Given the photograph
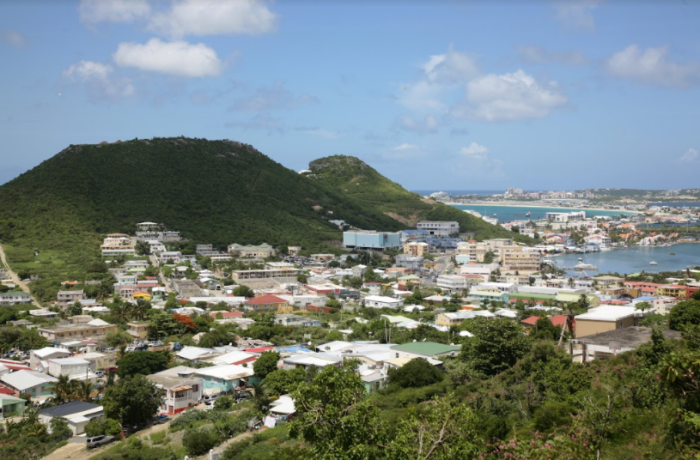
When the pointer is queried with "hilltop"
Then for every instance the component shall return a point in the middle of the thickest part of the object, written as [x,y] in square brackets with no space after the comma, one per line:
[211,191]
[362,185]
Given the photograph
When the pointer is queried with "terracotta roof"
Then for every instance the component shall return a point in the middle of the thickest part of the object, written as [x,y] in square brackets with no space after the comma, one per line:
[265,300]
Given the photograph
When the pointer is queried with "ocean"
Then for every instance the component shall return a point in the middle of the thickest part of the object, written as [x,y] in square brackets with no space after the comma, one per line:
[511,213]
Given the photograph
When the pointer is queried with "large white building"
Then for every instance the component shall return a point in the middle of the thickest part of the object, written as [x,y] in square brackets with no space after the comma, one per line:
[566,216]
[439,228]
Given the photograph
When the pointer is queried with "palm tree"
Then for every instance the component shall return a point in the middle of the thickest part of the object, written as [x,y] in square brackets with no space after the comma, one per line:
[84,390]
[63,389]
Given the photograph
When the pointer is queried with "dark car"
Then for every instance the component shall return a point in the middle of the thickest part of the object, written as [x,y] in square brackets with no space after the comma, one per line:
[161,419]
[240,397]
[97,441]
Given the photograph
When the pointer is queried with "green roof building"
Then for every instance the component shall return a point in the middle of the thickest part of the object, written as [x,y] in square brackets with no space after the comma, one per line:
[425,350]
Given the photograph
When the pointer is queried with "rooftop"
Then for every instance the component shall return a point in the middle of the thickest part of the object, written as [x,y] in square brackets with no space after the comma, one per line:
[426,348]
[74,407]
[628,337]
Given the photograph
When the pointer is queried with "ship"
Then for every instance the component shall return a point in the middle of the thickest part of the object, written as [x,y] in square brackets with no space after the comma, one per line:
[528,214]
[653,263]
[671,253]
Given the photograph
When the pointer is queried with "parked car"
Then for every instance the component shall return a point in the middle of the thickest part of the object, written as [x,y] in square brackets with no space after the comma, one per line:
[254,424]
[240,397]
[99,373]
[97,441]
[161,419]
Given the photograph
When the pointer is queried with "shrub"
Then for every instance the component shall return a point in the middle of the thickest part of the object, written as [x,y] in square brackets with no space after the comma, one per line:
[107,426]
[198,442]
[224,403]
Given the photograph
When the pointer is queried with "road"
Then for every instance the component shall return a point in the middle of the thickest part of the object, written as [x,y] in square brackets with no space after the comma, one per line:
[161,277]
[442,263]
[24,286]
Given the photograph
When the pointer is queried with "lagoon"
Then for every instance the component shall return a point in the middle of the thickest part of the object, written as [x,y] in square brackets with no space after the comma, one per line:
[636,259]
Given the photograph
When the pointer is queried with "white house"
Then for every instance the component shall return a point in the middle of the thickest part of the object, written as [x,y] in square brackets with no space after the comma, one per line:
[376,301]
[181,389]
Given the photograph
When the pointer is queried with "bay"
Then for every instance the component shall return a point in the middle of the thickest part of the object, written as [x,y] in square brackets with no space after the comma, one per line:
[511,213]
[636,259]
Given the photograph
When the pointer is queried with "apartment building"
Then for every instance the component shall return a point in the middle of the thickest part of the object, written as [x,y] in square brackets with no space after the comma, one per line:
[439,228]
[117,244]
[262,251]
[416,249]
[367,239]
[521,258]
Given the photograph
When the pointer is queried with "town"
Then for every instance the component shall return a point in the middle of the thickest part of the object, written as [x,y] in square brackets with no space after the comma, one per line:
[194,328]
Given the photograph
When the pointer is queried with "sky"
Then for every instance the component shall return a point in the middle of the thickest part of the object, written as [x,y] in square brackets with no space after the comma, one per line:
[443,95]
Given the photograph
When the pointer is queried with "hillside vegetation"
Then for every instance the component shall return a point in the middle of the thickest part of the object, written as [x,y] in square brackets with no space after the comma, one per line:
[52,218]
[361,184]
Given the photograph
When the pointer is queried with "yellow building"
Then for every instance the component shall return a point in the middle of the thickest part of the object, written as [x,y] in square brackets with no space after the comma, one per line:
[416,249]
[521,258]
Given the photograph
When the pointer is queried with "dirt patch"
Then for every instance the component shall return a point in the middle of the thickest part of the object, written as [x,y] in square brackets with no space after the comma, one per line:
[411,221]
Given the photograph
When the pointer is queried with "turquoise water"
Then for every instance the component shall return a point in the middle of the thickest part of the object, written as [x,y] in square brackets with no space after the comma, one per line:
[511,213]
[635,260]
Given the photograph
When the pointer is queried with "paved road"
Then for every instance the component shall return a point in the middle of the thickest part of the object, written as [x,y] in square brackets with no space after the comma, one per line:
[15,278]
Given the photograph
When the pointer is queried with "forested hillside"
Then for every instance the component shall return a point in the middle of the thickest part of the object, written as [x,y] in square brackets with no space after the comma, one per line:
[361,184]
[211,191]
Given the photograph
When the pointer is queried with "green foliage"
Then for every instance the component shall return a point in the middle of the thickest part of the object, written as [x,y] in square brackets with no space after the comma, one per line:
[99,426]
[217,337]
[416,373]
[334,418]
[135,449]
[441,430]
[266,364]
[224,403]
[132,400]
[141,362]
[496,346]
[243,291]
[281,382]
[198,442]
[684,313]
[118,339]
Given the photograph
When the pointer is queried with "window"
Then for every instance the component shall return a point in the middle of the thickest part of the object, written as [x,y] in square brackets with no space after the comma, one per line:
[195,388]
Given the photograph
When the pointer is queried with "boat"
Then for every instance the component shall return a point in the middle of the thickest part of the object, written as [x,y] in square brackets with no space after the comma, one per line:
[653,263]
[528,214]
[671,253]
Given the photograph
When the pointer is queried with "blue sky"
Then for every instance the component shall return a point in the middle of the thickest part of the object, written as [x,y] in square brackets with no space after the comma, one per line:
[435,95]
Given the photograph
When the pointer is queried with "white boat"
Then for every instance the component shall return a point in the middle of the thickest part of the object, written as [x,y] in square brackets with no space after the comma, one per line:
[653,263]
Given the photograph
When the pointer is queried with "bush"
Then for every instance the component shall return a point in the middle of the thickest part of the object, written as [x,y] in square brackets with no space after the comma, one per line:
[224,403]
[416,373]
[187,420]
[106,426]
[198,442]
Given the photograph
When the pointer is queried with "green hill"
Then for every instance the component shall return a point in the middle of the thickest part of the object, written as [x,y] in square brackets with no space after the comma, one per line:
[216,192]
[359,183]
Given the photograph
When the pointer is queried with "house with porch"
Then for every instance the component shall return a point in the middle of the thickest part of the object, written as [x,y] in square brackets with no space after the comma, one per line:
[226,378]
[180,388]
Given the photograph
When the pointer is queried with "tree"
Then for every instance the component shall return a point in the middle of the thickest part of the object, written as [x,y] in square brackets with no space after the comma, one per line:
[684,313]
[416,373]
[64,389]
[281,382]
[497,345]
[243,291]
[75,309]
[105,426]
[132,401]
[141,362]
[583,302]
[642,306]
[142,248]
[333,416]
[266,364]
[440,430]
[118,339]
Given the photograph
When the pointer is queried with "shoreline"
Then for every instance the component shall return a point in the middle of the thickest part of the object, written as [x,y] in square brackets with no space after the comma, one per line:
[505,205]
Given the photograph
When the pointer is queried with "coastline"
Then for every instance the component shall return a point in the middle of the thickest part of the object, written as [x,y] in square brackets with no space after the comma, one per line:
[547,205]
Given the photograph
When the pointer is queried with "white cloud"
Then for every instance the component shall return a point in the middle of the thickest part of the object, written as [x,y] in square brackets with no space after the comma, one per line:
[175,58]
[651,66]
[215,17]
[577,14]
[538,55]
[450,68]
[475,151]
[689,156]
[271,98]
[13,39]
[511,96]
[98,79]
[118,11]
[441,73]
[429,124]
